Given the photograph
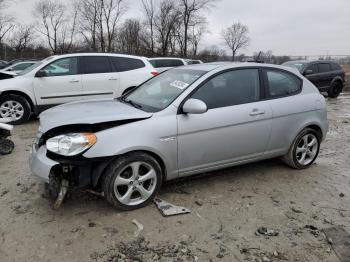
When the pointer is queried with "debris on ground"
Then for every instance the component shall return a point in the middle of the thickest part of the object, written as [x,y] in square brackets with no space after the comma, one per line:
[296,210]
[339,239]
[167,209]
[4,192]
[142,250]
[341,195]
[267,232]
[313,230]
[139,227]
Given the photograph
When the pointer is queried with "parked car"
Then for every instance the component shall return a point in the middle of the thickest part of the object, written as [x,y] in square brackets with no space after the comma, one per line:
[15,61]
[17,67]
[165,63]
[183,122]
[193,62]
[3,64]
[327,76]
[67,78]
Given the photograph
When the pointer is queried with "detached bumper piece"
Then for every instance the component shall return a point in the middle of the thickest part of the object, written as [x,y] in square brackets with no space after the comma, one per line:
[62,173]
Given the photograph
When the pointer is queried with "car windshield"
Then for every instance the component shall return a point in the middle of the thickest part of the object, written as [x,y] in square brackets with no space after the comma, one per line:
[298,65]
[159,92]
[32,67]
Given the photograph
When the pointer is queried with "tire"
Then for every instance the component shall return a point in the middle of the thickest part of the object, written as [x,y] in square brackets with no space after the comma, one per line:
[124,182]
[335,89]
[15,105]
[6,146]
[299,150]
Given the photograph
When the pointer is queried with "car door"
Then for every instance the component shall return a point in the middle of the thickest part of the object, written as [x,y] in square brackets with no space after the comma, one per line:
[311,73]
[99,80]
[235,128]
[62,85]
[325,75]
[288,108]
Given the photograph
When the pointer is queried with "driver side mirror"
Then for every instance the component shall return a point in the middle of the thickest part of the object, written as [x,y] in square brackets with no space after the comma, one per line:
[41,73]
[308,72]
[194,106]
[10,69]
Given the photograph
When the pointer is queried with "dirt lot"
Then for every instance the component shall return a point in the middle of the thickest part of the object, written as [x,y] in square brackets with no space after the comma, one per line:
[227,209]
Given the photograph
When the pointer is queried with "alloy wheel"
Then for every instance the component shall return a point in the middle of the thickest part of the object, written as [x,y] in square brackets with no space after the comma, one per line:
[135,183]
[11,109]
[307,149]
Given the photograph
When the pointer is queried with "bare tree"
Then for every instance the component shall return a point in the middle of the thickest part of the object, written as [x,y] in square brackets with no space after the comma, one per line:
[112,11]
[189,10]
[130,37]
[236,37]
[199,28]
[88,22]
[21,38]
[55,25]
[6,22]
[167,19]
[150,13]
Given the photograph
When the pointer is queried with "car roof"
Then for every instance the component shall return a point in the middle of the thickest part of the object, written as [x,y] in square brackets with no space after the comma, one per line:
[166,58]
[101,54]
[311,61]
[230,65]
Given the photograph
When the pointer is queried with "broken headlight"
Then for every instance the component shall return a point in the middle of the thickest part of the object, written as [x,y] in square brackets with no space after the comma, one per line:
[71,144]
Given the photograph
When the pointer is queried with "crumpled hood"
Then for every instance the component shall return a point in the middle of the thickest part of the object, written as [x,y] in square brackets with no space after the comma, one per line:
[89,112]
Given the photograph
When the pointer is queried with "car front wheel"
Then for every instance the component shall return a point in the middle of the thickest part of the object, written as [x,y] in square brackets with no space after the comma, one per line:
[304,150]
[14,107]
[132,181]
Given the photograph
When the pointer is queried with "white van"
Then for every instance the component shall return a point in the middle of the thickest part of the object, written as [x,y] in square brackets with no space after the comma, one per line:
[67,78]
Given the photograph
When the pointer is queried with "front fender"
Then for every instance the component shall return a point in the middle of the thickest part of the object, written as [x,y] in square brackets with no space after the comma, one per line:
[156,135]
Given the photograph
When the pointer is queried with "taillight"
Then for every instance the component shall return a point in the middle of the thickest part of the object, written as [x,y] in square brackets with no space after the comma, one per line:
[154,73]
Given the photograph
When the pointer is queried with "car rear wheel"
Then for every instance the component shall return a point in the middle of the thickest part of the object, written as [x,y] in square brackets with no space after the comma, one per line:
[335,89]
[304,150]
[132,181]
[14,107]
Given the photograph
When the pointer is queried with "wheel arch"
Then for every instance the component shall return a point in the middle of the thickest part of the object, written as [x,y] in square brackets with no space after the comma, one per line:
[99,171]
[20,93]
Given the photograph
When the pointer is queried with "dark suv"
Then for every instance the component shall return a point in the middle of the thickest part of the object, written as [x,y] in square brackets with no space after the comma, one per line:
[327,76]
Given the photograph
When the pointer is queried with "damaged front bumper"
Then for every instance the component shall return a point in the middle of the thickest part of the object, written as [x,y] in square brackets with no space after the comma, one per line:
[40,164]
[81,172]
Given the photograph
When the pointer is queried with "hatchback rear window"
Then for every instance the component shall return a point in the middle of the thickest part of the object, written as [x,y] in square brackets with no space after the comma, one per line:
[158,63]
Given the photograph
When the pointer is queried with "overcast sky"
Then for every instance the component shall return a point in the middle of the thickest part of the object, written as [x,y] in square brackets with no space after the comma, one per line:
[291,27]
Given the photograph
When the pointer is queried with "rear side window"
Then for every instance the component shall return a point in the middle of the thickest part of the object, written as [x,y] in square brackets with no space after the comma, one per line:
[313,68]
[158,63]
[94,64]
[230,88]
[122,64]
[335,66]
[324,67]
[282,83]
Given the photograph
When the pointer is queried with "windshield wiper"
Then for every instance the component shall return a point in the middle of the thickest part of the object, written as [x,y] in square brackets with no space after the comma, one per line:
[134,104]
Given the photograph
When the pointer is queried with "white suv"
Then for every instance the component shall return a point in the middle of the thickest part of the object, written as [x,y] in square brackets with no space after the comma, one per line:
[67,78]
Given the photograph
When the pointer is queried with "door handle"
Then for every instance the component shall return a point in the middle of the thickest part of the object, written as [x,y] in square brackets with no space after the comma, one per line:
[74,81]
[257,112]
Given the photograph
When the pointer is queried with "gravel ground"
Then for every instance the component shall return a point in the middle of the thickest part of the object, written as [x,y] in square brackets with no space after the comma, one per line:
[228,207]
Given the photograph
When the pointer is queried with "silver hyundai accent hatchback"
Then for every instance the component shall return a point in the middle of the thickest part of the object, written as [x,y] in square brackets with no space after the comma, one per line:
[185,121]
